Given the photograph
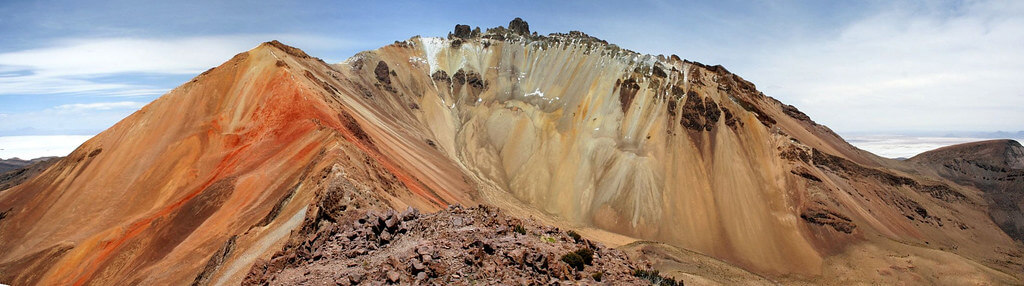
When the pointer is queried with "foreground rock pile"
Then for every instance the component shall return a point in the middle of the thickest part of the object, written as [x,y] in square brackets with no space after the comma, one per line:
[455,246]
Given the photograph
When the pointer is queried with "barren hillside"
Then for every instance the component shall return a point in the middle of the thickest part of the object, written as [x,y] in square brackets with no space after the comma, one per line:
[253,157]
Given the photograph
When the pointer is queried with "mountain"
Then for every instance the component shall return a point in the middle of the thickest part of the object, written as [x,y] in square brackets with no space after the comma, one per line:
[996,167]
[256,166]
[14,171]
[235,155]
[17,163]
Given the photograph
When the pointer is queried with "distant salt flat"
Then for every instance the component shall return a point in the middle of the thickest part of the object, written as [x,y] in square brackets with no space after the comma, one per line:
[896,146]
[29,147]
[889,146]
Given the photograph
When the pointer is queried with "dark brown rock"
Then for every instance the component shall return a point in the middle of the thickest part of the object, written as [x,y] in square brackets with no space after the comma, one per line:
[463,32]
[795,113]
[822,216]
[474,80]
[794,153]
[627,91]
[658,72]
[441,75]
[519,26]
[711,113]
[692,115]
[459,78]
[382,73]
[730,119]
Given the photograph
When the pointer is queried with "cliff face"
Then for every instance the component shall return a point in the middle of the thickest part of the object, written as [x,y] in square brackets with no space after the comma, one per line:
[563,128]
[607,138]
[570,128]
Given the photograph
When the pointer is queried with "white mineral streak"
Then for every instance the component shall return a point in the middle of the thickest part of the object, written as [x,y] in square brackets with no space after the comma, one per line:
[431,47]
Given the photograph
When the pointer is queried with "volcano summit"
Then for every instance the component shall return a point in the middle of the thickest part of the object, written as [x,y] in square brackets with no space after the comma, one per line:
[271,162]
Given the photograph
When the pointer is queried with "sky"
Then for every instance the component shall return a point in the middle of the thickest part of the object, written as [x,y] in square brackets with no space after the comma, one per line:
[77,67]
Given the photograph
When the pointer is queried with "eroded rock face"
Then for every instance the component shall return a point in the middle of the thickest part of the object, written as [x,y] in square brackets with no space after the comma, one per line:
[699,114]
[595,140]
[823,216]
[627,91]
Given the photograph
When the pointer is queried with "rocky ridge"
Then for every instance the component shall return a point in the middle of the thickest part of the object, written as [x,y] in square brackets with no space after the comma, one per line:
[996,167]
[455,246]
[18,163]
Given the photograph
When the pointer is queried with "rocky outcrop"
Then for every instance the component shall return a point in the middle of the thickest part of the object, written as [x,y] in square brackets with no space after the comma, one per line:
[823,216]
[456,246]
[519,26]
[627,91]
[699,114]
[382,73]
[462,31]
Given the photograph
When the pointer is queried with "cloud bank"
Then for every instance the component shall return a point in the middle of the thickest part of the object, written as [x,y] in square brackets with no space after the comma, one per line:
[80,66]
[75,118]
[907,68]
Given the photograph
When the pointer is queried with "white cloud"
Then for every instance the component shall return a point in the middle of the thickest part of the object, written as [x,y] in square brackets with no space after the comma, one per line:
[73,65]
[892,67]
[109,56]
[78,107]
[73,118]
[39,84]
[87,69]
[908,69]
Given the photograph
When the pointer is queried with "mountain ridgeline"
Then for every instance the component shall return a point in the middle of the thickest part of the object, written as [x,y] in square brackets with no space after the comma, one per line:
[996,167]
[252,167]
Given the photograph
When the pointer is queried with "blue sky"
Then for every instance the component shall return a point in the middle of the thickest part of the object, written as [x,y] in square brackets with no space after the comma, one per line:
[77,67]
